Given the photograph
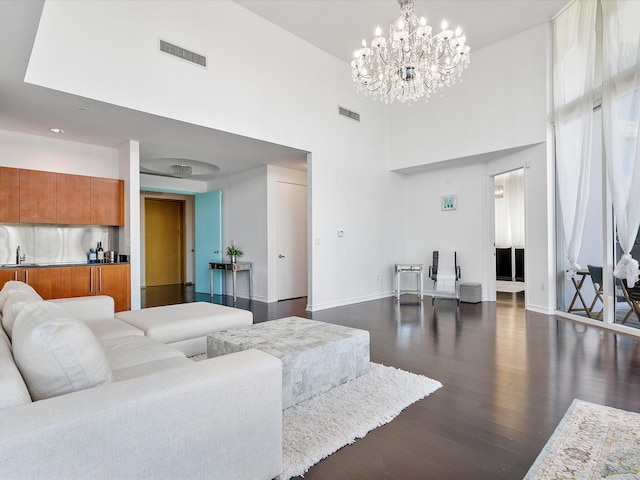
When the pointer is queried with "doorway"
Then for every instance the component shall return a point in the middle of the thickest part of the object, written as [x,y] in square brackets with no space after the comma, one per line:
[292,240]
[509,239]
[164,242]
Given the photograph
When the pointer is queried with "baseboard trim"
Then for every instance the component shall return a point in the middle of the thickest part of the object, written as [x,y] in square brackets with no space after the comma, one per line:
[349,301]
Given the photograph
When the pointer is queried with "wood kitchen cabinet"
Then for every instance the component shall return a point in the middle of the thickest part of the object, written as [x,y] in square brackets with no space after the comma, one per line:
[115,281]
[34,196]
[8,275]
[73,199]
[107,201]
[37,196]
[9,195]
[45,281]
[105,279]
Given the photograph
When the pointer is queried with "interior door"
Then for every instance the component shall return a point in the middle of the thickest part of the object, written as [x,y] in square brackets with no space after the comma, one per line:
[208,239]
[164,242]
[292,240]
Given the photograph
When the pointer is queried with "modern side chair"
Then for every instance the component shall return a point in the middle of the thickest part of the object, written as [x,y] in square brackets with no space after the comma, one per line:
[445,273]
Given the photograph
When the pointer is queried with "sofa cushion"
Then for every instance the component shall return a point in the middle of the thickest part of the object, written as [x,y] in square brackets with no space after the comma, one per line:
[14,391]
[106,328]
[149,367]
[125,352]
[13,303]
[13,286]
[173,323]
[56,353]
[87,307]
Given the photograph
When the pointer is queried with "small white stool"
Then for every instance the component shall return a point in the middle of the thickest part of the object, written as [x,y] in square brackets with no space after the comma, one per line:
[470,292]
[413,268]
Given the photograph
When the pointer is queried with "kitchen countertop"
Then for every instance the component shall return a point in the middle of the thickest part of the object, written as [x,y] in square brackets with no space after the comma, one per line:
[11,266]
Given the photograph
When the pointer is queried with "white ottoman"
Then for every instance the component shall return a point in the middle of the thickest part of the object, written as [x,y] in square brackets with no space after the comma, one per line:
[316,356]
[185,326]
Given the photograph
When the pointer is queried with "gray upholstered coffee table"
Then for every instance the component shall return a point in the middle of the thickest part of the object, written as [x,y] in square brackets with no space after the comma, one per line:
[316,356]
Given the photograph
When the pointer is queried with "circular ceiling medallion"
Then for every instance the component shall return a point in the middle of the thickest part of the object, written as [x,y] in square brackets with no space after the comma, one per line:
[169,167]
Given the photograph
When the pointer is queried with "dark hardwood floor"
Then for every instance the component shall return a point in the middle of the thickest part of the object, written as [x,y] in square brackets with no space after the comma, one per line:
[508,377]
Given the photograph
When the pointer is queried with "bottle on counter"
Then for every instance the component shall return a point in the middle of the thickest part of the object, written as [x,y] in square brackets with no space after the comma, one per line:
[92,256]
[100,253]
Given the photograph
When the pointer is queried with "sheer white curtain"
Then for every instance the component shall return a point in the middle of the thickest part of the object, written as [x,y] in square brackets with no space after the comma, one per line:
[621,115]
[510,210]
[573,78]
[514,192]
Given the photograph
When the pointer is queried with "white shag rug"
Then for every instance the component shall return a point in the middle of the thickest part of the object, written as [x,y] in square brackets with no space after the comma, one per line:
[316,428]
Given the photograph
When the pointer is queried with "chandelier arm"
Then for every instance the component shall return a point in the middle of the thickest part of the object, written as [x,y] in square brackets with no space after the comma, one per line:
[384,60]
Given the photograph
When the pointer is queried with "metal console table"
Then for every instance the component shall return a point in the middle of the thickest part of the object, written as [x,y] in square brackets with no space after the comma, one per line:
[414,268]
[233,268]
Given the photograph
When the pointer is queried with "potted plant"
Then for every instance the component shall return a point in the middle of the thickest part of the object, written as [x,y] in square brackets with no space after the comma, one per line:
[233,252]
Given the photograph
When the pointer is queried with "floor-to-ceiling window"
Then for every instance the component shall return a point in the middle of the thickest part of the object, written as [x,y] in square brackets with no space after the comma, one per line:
[596,113]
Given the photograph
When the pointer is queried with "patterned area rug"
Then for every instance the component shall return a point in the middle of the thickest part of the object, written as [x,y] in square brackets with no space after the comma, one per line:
[591,442]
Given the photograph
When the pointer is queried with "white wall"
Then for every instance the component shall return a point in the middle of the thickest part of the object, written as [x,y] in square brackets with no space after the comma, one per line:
[244,221]
[500,104]
[174,185]
[430,228]
[129,171]
[20,150]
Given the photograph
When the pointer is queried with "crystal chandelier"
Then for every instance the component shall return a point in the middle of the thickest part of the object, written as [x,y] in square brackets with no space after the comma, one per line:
[413,62]
[181,171]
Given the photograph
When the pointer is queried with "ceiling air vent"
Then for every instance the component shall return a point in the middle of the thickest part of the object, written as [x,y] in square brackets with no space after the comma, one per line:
[349,114]
[183,53]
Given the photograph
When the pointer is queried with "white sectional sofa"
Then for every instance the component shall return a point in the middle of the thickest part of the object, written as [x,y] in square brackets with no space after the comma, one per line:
[85,395]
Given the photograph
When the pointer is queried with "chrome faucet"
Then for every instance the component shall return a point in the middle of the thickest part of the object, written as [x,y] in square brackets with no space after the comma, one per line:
[20,258]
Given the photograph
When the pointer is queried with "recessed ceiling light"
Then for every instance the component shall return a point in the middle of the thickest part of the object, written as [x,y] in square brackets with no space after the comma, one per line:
[56,130]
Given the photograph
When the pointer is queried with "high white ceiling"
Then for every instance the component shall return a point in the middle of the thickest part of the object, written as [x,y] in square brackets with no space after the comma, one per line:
[336,26]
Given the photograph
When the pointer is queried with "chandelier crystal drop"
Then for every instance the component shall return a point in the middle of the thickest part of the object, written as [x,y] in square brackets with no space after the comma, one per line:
[181,171]
[413,62]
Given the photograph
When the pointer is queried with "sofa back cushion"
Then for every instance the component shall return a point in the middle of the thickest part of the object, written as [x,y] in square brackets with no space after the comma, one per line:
[13,390]
[14,300]
[56,353]
[13,286]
